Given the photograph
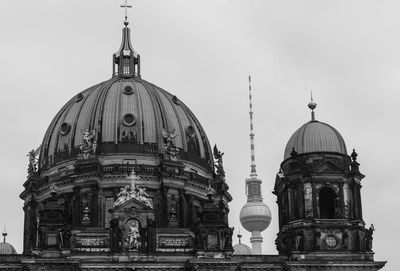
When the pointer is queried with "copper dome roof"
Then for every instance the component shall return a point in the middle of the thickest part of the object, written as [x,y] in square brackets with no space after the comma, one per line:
[129,116]
[7,249]
[315,136]
[241,249]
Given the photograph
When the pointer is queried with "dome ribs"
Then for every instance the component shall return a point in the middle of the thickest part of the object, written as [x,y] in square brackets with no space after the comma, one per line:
[53,144]
[193,123]
[104,107]
[148,118]
[173,117]
[203,140]
[82,122]
[159,112]
[109,114]
[97,112]
[64,141]
[315,136]
[44,151]
[128,105]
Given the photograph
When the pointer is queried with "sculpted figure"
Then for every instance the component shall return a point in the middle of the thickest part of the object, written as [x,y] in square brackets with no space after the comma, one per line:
[142,195]
[369,237]
[228,237]
[122,196]
[88,144]
[33,160]
[219,163]
[133,236]
[132,191]
[169,143]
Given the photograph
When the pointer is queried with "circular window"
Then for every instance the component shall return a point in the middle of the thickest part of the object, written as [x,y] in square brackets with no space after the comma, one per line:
[79,97]
[175,99]
[190,131]
[129,119]
[65,127]
[128,90]
[331,241]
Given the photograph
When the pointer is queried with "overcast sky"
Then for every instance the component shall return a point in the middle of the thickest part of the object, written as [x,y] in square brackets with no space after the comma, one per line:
[346,52]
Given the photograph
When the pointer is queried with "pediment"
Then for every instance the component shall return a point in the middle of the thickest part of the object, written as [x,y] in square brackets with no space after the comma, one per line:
[132,204]
[329,167]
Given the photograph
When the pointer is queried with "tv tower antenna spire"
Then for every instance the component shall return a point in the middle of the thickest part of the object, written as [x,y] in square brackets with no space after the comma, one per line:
[253,172]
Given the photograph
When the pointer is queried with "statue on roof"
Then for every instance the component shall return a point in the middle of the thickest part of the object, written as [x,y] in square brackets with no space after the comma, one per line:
[369,237]
[132,191]
[219,163]
[169,143]
[33,160]
[88,144]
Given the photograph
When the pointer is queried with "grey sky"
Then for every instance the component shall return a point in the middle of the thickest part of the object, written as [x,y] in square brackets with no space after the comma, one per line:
[346,52]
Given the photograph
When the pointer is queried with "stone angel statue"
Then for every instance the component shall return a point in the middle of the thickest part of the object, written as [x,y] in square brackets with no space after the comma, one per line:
[169,142]
[219,163]
[88,144]
[33,160]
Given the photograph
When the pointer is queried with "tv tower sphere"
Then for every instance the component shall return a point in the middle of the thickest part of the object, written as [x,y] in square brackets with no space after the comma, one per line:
[255,216]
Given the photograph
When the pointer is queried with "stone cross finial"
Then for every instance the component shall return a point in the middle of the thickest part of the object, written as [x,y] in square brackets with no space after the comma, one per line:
[126,6]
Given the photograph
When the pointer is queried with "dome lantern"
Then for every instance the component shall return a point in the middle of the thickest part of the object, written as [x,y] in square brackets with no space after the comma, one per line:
[126,62]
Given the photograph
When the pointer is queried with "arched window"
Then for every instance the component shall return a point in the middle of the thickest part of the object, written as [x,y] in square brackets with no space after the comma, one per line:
[327,202]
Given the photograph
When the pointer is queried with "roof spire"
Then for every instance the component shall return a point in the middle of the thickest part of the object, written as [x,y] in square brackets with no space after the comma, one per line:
[240,237]
[126,6]
[126,62]
[252,146]
[4,234]
[312,105]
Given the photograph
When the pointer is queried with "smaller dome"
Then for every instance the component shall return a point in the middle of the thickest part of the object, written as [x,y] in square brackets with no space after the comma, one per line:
[7,249]
[241,249]
[255,216]
[315,136]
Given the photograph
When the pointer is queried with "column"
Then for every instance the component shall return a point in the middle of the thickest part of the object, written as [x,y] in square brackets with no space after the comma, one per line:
[290,202]
[314,201]
[358,190]
[101,213]
[341,201]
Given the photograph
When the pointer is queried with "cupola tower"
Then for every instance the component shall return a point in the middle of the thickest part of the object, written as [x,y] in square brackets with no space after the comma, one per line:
[319,200]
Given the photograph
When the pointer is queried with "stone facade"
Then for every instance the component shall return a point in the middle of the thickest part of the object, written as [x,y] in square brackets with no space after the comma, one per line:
[141,191]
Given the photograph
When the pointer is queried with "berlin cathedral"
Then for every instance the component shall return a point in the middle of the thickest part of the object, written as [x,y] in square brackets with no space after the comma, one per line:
[126,179]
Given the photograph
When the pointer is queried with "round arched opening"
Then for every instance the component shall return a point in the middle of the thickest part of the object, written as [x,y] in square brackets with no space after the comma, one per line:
[327,199]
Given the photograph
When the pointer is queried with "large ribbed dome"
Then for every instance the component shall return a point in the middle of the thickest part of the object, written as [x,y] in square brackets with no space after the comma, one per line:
[129,116]
[315,136]
[127,120]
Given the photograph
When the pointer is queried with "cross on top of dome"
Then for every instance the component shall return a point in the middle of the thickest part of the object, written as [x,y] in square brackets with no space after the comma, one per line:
[126,6]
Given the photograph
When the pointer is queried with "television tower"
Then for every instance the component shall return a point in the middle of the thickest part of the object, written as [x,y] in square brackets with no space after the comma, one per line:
[255,215]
